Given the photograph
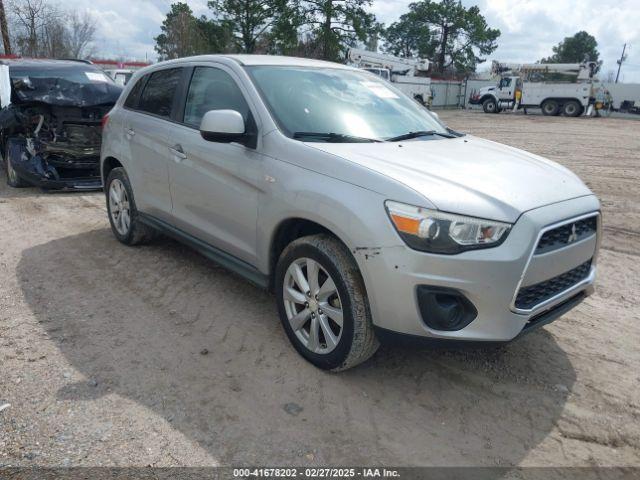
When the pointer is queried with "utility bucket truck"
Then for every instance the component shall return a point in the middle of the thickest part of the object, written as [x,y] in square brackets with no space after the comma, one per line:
[555,88]
[407,74]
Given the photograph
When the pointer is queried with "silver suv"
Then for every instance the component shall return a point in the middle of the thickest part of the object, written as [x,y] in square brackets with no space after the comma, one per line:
[356,206]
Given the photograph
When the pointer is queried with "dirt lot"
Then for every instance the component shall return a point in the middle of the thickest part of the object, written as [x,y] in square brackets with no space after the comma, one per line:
[101,363]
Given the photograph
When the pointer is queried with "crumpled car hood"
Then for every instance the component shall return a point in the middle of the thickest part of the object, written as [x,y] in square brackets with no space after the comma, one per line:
[60,92]
[467,175]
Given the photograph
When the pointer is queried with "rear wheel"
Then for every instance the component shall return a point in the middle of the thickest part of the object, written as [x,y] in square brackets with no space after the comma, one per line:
[571,109]
[550,107]
[121,207]
[323,304]
[490,106]
[13,179]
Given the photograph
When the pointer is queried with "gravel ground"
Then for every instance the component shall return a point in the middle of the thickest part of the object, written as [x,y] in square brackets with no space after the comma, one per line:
[156,356]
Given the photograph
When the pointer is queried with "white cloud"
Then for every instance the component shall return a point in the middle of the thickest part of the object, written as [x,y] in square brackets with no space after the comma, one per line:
[529,27]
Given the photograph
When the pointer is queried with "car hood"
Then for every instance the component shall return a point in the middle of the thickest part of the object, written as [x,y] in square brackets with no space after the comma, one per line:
[467,175]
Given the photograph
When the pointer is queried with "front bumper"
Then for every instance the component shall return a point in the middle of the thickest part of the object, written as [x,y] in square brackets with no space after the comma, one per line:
[489,278]
[55,173]
[67,184]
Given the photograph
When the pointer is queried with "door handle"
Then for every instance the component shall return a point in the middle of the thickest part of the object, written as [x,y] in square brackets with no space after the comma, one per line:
[130,132]
[178,153]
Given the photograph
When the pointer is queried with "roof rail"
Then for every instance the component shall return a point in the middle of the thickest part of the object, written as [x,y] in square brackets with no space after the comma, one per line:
[88,62]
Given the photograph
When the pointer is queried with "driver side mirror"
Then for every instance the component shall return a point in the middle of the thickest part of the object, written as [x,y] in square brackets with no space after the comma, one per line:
[226,126]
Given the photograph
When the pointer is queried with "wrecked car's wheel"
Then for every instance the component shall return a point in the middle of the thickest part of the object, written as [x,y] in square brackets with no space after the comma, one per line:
[323,304]
[13,179]
[121,207]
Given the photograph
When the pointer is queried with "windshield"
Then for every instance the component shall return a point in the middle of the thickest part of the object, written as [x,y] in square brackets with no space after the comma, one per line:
[77,85]
[339,102]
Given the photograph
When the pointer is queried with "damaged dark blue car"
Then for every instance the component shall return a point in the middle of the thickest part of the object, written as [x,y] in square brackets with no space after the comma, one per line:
[50,122]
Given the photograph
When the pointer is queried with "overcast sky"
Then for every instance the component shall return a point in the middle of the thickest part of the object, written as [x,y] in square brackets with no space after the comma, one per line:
[529,27]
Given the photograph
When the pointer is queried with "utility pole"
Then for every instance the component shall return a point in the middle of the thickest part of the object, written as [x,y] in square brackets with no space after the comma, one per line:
[5,30]
[622,59]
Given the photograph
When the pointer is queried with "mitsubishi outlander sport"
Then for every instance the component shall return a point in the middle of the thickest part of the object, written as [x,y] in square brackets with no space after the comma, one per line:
[354,204]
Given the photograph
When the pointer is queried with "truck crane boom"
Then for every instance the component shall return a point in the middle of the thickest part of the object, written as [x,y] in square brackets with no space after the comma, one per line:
[583,71]
[407,74]
[409,67]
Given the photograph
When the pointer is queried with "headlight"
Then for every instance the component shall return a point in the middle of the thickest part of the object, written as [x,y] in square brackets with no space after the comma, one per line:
[438,232]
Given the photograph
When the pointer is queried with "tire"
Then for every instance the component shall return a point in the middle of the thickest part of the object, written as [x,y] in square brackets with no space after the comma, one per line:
[335,347]
[490,106]
[13,179]
[571,109]
[119,197]
[550,108]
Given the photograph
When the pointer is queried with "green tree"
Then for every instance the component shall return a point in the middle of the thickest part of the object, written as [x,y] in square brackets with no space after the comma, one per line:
[284,36]
[408,38]
[250,20]
[217,37]
[575,49]
[181,35]
[337,24]
[446,32]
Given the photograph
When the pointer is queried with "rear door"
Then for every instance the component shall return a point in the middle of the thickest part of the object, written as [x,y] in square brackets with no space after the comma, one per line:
[149,129]
[215,186]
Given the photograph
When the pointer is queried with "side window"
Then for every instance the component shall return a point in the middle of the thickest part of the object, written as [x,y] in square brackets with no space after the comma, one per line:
[505,82]
[134,94]
[212,89]
[157,96]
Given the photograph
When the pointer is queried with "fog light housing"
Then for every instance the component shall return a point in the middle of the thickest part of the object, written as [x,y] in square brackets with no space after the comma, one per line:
[445,309]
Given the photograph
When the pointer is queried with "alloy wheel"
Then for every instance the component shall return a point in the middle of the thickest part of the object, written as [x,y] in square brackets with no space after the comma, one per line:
[119,207]
[313,306]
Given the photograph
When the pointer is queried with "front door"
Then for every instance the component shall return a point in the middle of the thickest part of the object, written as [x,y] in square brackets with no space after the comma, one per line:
[215,185]
[506,89]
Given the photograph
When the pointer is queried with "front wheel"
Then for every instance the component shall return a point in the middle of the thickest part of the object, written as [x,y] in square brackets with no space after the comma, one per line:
[13,179]
[490,106]
[323,304]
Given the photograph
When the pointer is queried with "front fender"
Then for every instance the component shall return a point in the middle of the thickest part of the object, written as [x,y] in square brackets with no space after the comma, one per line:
[355,215]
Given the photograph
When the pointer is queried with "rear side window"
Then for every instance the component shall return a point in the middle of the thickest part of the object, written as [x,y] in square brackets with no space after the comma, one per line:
[212,89]
[134,94]
[157,96]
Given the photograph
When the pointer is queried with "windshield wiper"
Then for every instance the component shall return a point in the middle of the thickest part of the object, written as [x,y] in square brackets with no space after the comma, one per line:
[455,133]
[335,137]
[419,133]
